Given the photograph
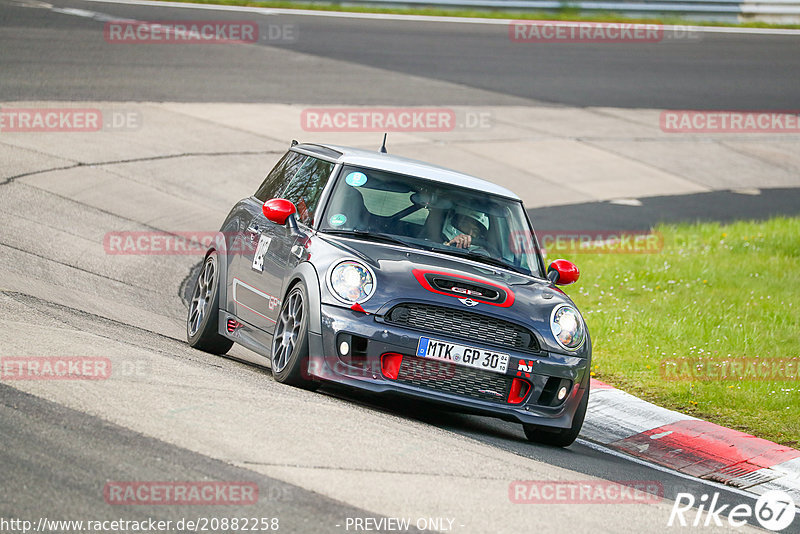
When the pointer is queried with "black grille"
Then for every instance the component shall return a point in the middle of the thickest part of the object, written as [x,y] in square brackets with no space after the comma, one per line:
[456,379]
[463,324]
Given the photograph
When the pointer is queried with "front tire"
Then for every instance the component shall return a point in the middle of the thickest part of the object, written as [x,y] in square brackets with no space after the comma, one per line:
[203,318]
[290,341]
[560,438]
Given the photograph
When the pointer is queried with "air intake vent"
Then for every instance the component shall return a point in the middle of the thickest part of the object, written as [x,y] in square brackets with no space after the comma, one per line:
[465,289]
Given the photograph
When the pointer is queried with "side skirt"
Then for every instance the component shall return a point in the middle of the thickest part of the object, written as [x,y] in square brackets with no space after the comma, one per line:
[248,336]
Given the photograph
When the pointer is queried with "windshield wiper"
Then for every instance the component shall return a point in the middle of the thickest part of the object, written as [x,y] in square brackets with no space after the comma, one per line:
[386,238]
[463,253]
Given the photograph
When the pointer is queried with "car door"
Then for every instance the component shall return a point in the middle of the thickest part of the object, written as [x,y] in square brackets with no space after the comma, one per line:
[262,268]
[252,291]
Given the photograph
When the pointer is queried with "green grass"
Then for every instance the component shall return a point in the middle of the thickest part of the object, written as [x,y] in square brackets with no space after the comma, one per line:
[565,13]
[713,292]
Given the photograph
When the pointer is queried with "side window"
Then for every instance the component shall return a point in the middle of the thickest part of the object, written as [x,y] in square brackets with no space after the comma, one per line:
[306,187]
[280,175]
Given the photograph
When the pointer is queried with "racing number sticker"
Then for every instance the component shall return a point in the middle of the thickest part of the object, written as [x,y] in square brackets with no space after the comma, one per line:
[261,251]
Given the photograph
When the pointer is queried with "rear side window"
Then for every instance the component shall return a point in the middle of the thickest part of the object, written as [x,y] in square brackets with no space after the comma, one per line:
[306,187]
[280,176]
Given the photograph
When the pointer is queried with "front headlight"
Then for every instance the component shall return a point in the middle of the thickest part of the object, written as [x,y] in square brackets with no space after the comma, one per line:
[351,282]
[567,327]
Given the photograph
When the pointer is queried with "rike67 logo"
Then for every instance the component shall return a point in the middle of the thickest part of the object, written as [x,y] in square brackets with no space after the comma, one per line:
[774,510]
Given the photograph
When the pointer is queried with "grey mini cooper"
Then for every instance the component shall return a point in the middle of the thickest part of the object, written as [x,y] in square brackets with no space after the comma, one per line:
[397,277]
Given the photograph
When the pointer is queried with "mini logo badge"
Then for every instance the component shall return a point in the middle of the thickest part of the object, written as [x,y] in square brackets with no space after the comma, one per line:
[468,302]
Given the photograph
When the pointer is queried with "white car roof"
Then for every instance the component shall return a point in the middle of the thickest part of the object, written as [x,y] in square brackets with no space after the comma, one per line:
[411,167]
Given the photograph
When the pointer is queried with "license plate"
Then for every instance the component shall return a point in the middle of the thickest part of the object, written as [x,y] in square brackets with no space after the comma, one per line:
[487,360]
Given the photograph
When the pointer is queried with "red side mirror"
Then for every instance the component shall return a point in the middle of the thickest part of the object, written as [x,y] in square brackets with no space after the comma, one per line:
[563,272]
[278,210]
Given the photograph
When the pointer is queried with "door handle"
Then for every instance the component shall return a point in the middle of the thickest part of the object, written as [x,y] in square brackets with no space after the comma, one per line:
[253,231]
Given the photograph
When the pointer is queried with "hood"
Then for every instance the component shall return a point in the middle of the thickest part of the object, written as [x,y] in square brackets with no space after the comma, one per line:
[409,275]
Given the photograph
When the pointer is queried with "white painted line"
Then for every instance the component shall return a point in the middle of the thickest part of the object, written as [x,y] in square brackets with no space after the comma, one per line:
[35,4]
[422,18]
[716,485]
[626,202]
[101,17]
[790,467]
[789,482]
[747,191]
[73,11]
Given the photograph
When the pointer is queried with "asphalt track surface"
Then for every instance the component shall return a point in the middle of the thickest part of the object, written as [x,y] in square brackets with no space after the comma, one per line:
[194,416]
[698,71]
[75,455]
[716,206]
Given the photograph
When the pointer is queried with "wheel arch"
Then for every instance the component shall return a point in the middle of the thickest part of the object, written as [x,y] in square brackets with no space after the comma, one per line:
[307,274]
[220,247]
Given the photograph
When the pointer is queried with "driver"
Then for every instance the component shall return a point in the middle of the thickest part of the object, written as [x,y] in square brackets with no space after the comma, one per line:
[466,228]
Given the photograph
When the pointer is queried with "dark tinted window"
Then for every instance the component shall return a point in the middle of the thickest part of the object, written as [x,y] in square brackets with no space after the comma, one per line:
[306,187]
[280,176]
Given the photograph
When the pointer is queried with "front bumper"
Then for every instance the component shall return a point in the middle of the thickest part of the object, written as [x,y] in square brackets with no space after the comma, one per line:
[456,386]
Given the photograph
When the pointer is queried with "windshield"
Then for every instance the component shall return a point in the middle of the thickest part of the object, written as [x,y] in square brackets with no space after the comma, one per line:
[432,215]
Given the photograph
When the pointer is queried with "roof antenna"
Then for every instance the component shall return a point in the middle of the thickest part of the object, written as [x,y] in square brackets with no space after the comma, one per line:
[383,146]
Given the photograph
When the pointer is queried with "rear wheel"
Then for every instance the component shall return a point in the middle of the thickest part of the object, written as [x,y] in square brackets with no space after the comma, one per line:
[559,438]
[203,317]
[290,341]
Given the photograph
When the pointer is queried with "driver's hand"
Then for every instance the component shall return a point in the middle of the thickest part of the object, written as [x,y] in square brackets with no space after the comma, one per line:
[461,241]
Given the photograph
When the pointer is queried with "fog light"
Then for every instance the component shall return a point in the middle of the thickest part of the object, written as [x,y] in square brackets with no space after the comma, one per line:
[344,348]
[562,393]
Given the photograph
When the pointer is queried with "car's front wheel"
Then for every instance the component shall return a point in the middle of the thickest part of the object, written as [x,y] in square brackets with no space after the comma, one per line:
[290,341]
[560,438]
[203,316]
